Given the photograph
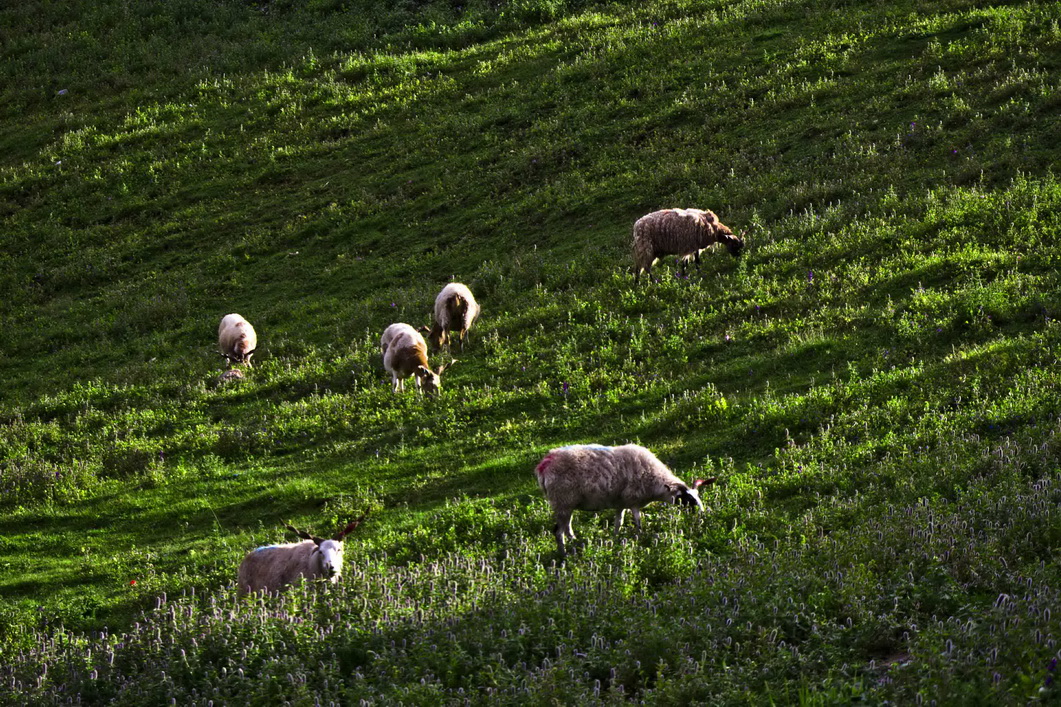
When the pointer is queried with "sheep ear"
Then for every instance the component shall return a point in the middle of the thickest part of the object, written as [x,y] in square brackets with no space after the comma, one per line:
[704,482]
[249,353]
[425,329]
[349,528]
[303,534]
[444,366]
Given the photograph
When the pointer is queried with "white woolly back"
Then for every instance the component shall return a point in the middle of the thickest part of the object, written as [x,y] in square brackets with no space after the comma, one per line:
[230,320]
[454,288]
[232,329]
[400,335]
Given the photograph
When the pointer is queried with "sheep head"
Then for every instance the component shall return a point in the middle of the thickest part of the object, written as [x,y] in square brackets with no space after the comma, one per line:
[431,381]
[687,496]
[330,552]
[329,555]
[436,335]
[734,244]
[240,357]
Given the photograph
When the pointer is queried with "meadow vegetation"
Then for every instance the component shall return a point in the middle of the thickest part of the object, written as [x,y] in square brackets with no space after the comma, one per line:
[874,381]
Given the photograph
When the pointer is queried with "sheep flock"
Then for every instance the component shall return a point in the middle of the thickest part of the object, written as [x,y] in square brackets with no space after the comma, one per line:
[589,477]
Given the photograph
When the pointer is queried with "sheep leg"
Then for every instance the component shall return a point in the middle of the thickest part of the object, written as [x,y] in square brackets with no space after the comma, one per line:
[562,528]
[399,385]
[647,270]
[619,519]
[636,513]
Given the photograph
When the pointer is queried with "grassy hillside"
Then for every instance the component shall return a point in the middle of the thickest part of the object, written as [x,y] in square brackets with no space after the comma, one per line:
[874,381]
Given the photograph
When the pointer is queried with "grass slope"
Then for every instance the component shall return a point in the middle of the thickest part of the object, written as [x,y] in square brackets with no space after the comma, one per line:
[874,381]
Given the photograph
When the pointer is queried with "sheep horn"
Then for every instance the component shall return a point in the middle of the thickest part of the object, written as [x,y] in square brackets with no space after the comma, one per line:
[349,528]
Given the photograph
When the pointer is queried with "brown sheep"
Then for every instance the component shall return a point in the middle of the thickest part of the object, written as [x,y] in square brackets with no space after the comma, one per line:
[683,232]
[405,354]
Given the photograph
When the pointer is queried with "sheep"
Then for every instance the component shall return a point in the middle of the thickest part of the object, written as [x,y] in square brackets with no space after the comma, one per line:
[273,567]
[592,477]
[405,354]
[236,339]
[455,311]
[683,232]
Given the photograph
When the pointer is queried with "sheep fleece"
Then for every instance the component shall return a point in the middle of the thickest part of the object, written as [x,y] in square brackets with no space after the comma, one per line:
[273,567]
[592,477]
[403,349]
[674,232]
[456,319]
[236,336]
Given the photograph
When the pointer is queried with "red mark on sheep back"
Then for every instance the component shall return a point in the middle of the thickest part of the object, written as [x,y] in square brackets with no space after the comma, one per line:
[544,464]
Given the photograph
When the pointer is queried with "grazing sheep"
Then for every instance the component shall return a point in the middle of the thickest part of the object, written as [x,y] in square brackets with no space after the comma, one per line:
[683,232]
[273,567]
[405,354]
[591,477]
[236,339]
[455,311]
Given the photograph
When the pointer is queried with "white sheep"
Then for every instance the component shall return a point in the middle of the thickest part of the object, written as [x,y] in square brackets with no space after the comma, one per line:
[405,354]
[236,339]
[455,311]
[683,232]
[592,477]
[273,567]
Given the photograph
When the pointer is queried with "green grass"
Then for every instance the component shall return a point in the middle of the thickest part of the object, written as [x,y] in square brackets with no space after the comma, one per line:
[874,381]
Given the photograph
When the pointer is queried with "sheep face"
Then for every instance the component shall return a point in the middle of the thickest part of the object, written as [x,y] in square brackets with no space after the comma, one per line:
[241,355]
[688,497]
[431,381]
[330,556]
[734,244]
[685,496]
[437,336]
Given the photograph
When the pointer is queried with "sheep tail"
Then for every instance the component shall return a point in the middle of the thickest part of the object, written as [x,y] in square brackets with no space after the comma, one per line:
[543,468]
[644,251]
